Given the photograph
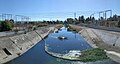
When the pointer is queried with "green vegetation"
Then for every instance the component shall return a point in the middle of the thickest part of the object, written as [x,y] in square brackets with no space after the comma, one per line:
[74,28]
[53,22]
[42,24]
[93,55]
[6,25]
[1,21]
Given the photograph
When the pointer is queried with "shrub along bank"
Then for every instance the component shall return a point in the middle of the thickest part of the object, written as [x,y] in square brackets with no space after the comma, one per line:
[6,25]
[93,55]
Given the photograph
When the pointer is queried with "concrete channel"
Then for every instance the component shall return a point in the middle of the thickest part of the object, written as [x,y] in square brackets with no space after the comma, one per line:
[14,46]
[107,40]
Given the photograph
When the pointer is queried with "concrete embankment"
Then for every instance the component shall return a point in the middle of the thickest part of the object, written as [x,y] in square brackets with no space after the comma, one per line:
[14,46]
[110,41]
[107,40]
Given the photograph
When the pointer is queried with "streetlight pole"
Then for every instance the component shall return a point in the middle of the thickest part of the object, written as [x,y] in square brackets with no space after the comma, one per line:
[74,17]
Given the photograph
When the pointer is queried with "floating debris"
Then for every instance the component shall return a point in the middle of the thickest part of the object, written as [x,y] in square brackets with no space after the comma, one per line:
[62,37]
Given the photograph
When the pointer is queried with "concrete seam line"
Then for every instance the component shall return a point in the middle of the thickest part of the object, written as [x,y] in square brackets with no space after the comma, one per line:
[116,39]
[98,36]
[39,35]
[29,39]
[14,43]
[89,35]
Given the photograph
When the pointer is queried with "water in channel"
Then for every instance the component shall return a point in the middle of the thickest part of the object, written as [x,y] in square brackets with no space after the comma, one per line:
[73,41]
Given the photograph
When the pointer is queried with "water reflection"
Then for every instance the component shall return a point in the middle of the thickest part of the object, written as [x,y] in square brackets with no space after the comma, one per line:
[65,44]
[37,54]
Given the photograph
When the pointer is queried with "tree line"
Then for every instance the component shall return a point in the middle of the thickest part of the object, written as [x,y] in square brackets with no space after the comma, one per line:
[7,25]
[82,19]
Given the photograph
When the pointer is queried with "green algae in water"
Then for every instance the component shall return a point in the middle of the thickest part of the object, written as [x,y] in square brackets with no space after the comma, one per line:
[93,55]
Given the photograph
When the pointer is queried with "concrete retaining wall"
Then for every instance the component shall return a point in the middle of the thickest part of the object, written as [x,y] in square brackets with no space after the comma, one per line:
[112,39]
[12,47]
[108,37]
[105,40]
[88,38]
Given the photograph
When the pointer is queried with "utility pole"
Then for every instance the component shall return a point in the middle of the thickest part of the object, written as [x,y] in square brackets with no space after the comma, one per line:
[6,16]
[92,15]
[100,14]
[3,17]
[17,19]
[106,13]
[75,17]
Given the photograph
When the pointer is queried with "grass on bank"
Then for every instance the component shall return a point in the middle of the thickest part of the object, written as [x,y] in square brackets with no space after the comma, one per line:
[93,55]
[74,28]
[58,26]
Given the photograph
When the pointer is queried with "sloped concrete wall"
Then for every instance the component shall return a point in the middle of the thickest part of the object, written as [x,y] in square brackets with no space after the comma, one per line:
[12,47]
[103,39]
[118,41]
[108,37]
[33,37]
[6,43]
[21,42]
[87,37]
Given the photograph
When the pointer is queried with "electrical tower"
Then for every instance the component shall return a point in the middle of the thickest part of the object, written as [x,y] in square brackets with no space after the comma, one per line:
[74,15]
[6,16]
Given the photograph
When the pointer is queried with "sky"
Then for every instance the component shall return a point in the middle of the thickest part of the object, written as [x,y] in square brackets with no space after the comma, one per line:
[57,9]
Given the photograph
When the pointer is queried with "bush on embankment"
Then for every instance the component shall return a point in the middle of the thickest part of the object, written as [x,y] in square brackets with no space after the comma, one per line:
[6,25]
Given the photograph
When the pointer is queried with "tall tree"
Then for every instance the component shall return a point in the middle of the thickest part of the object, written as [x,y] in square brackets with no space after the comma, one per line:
[115,17]
[87,19]
[7,25]
[70,20]
[82,19]
[93,18]
[101,18]
[79,19]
